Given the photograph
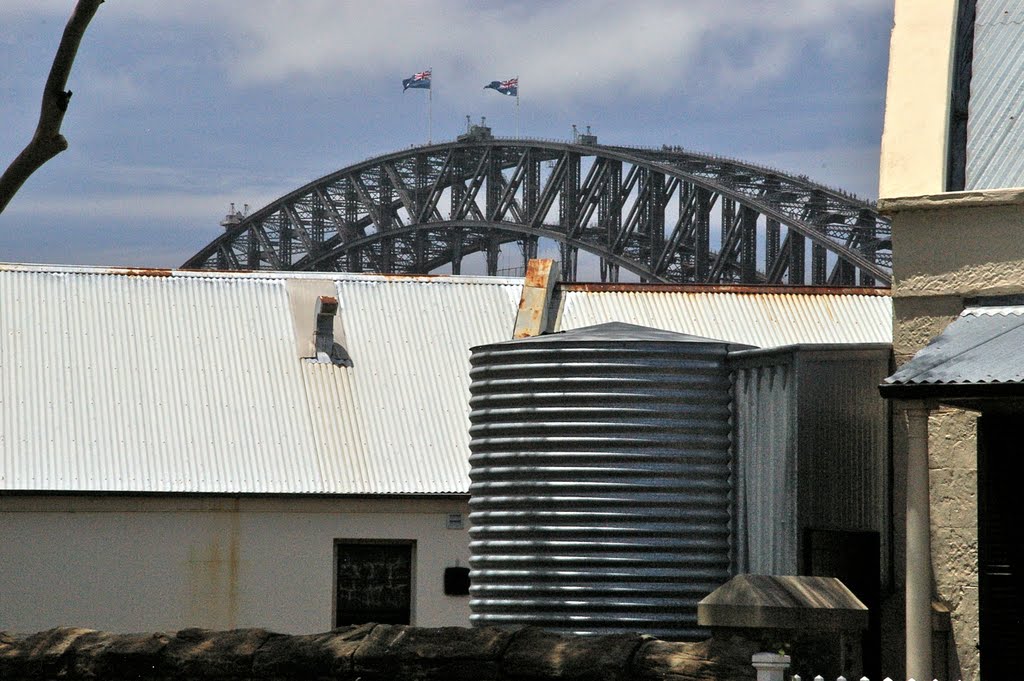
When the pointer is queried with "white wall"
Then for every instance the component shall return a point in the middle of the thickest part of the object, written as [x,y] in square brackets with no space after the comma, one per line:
[914,136]
[164,563]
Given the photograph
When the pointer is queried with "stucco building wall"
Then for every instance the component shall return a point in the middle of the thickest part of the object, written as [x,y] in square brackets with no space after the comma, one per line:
[917,98]
[947,247]
[124,563]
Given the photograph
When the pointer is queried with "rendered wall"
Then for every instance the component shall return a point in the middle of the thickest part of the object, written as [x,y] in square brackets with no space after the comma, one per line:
[165,563]
[917,98]
[957,245]
[948,248]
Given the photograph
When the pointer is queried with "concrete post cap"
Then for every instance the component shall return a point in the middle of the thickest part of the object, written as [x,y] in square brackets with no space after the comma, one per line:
[770,661]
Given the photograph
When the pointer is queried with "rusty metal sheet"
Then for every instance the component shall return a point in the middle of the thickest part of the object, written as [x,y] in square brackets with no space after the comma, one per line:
[599,287]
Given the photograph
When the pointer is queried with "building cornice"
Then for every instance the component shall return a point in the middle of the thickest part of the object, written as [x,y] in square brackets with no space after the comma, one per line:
[984,198]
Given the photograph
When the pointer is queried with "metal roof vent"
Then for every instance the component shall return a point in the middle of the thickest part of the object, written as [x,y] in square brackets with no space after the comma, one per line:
[327,350]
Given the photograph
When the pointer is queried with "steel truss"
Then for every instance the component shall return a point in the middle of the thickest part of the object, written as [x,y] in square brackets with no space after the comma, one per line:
[666,215]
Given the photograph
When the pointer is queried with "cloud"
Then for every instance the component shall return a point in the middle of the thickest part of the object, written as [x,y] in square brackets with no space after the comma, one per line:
[121,86]
[594,49]
[558,50]
[190,208]
[853,169]
[248,100]
[37,8]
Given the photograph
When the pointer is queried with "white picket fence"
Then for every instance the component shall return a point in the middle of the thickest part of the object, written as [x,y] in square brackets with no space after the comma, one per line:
[796,677]
[772,667]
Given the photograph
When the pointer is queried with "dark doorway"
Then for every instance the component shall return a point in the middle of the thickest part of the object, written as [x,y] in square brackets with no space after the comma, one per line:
[853,557]
[1001,544]
[373,583]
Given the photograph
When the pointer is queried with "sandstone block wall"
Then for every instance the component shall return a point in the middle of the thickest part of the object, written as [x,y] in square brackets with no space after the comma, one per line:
[953,486]
[372,652]
[949,248]
[953,477]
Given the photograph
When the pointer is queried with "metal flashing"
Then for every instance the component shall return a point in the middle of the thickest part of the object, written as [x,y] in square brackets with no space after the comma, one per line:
[756,356]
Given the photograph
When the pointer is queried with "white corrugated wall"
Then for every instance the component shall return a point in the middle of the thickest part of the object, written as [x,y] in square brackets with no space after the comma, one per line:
[765,470]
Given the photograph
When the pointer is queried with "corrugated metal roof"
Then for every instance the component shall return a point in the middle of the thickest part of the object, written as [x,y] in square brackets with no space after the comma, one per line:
[981,347]
[168,381]
[764,320]
[410,344]
[191,382]
[995,131]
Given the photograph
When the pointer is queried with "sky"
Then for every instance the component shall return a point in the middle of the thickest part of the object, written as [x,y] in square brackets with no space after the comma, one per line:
[181,108]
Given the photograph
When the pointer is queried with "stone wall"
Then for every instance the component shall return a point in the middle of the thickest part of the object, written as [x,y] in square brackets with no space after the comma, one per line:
[953,477]
[371,652]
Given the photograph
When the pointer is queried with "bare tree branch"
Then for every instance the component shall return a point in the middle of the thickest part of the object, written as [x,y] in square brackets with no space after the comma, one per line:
[47,141]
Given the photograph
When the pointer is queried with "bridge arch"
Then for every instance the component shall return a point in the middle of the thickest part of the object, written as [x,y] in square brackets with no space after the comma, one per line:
[663,214]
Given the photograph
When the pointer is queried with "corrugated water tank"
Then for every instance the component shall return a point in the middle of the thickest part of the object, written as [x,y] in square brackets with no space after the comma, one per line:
[600,480]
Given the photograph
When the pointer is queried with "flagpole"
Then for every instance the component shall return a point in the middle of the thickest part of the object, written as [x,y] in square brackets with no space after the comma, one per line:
[517,107]
[430,108]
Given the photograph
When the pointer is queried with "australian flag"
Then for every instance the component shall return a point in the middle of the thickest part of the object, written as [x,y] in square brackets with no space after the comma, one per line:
[418,80]
[505,87]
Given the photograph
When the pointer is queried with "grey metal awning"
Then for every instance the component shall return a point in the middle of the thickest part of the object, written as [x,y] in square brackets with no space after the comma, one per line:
[979,356]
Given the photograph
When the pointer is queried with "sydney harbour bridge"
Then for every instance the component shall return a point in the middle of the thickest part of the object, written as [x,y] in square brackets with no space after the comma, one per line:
[665,215]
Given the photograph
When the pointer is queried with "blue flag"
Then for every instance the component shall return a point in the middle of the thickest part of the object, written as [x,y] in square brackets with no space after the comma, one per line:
[505,87]
[418,80]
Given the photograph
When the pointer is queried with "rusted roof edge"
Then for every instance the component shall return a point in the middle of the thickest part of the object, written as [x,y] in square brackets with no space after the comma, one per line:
[742,289]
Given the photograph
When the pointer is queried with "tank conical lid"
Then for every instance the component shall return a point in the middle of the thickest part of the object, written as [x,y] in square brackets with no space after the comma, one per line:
[617,332]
